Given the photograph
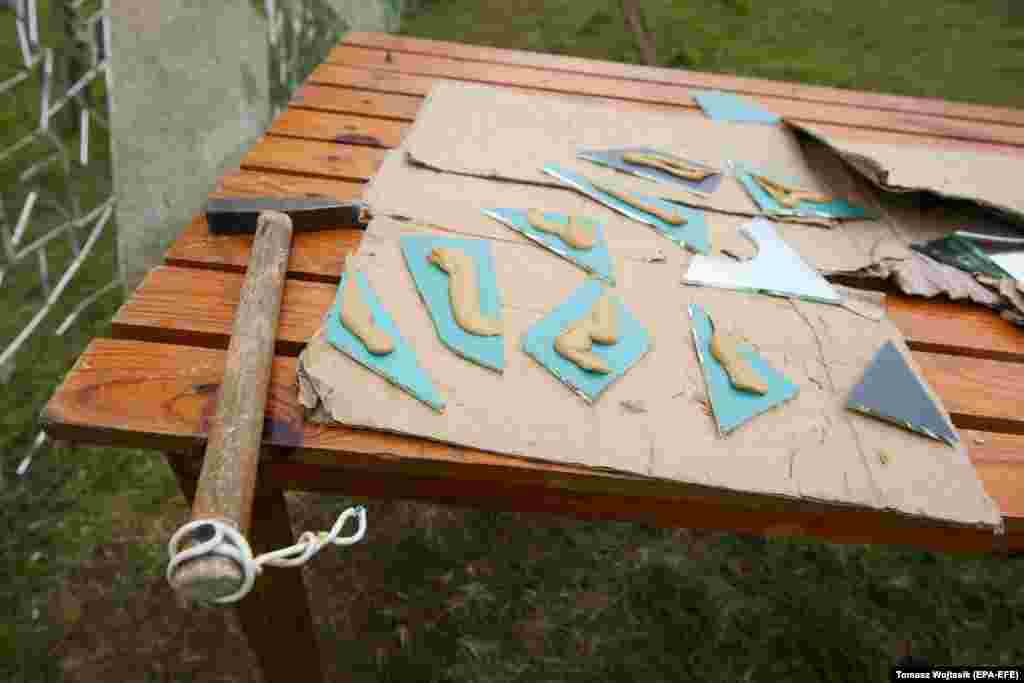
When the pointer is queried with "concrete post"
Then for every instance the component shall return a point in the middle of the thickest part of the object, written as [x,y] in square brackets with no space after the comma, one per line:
[190,94]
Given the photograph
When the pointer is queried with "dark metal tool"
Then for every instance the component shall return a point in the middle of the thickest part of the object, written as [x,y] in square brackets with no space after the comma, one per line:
[237,215]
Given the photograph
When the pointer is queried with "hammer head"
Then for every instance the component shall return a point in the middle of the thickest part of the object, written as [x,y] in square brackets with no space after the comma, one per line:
[237,216]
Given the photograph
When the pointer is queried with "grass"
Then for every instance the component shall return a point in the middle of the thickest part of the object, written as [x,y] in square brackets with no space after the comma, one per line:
[440,594]
[967,50]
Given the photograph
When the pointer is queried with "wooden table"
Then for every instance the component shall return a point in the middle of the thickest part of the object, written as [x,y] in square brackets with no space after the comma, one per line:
[154,384]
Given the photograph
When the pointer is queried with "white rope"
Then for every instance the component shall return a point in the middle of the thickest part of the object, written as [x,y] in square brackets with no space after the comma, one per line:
[225,541]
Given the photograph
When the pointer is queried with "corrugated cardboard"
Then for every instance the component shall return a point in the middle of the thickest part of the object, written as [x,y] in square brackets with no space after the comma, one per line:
[991,180]
[812,447]
[496,133]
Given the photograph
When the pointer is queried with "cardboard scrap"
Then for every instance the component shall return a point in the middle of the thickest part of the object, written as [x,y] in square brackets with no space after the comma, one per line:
[920,275]
[891,391]
[497,133]
[726,106]
[987,179]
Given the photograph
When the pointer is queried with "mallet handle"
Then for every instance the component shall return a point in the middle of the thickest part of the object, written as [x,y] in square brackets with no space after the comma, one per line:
[227,481]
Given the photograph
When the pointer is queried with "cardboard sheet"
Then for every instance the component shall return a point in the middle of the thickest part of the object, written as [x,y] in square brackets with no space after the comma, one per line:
[457,202]
[810,448]
[813,447]
[991,180]
[496,133]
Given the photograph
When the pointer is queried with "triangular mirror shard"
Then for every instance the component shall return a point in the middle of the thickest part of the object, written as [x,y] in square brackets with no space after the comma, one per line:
[731,406]
[397,365]
[457,281]
[683,225]
[650,163]
[776,270]
[588,342]
[593,258]
[891,391]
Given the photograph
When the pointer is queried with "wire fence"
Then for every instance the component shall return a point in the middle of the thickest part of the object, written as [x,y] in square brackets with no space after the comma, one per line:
[49,222]
[57,197]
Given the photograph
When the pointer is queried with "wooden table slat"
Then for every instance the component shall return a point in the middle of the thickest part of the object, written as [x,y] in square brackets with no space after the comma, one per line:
[685,78]
[162,396]
[585,84]
[316,255]
[351,130]
[383,105]
[979,393]
[313,157]
[956,327]
[338,88]
[187,306]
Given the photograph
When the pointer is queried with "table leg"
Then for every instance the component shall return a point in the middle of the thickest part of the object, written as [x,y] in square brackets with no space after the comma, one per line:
[275,615]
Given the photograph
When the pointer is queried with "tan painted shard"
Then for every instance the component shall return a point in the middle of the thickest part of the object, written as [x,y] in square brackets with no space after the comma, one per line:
[670,217]
[725,348]
[601,325]
[576,233]
[464,290]
[789,196]
[357,318]
[669,166]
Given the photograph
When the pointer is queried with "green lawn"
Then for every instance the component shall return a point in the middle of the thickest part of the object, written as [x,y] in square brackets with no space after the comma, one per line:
[967,50]
[442,594]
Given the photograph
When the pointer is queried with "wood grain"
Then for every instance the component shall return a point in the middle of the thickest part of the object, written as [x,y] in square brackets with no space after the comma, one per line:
[196,307]
[1001,457]
[645,91]
[188,306]
[359,102]
[314,158]
[688,79]
[333,80]
[161,396]
[955,328]
[350,130]
[979,393]
[244,183]
[315,255]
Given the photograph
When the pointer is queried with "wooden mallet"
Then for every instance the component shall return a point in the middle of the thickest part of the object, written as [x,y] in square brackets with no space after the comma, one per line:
[227,481]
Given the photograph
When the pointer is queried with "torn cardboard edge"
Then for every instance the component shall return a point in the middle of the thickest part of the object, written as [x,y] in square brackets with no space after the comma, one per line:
[878,175]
